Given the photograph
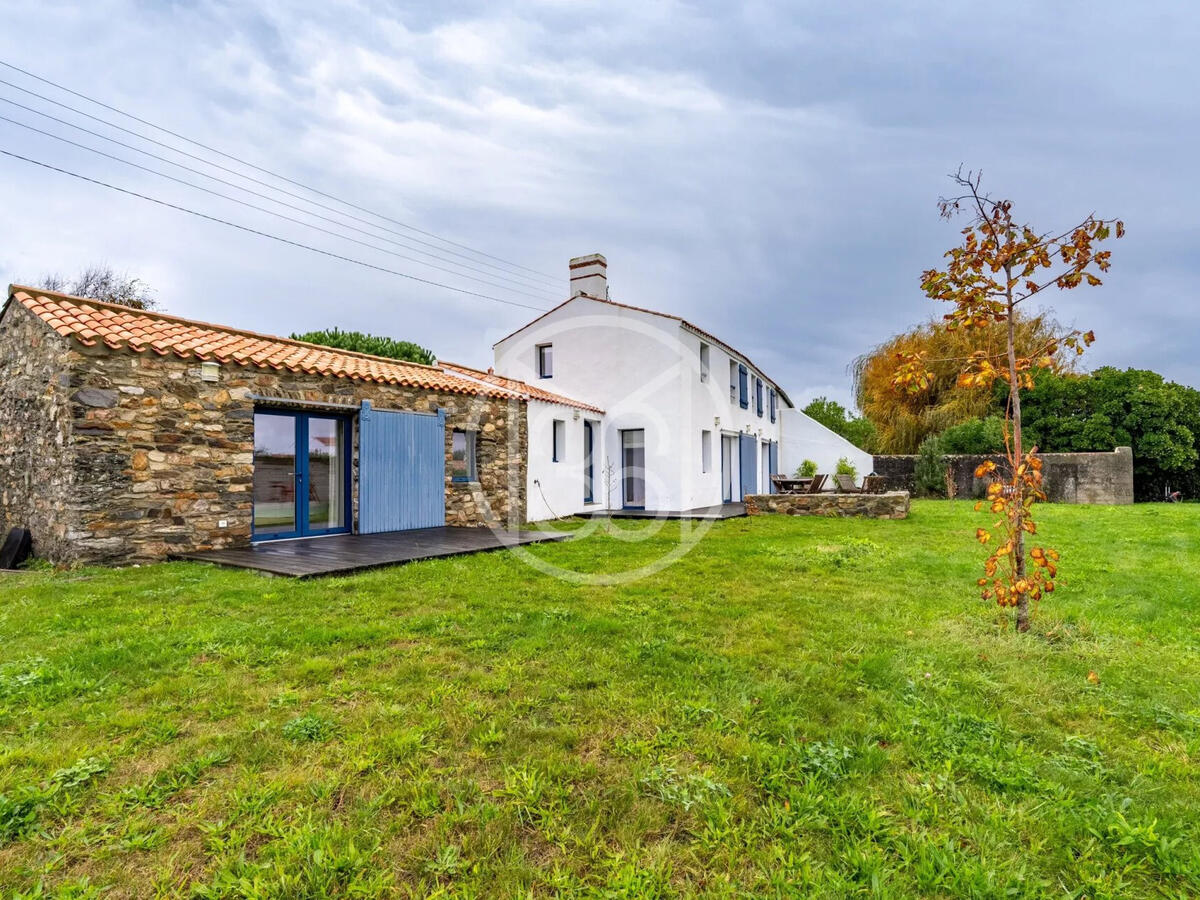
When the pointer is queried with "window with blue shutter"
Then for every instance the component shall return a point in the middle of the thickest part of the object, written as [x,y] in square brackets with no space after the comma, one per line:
[758,397]
[743,387]
[774,404]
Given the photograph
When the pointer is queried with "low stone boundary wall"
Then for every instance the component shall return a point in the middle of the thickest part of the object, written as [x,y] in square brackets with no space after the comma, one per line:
[892,505]
[1067,477]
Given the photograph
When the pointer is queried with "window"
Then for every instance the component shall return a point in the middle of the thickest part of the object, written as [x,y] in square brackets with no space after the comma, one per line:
[462,456]
[774,404]
[589,446]
[704,362]
[545,360]
[743,387]
[706,451]
[560,440]
[758,397]
[733,380]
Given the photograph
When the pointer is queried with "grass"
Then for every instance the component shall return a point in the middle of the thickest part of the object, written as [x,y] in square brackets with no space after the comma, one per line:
[798,707]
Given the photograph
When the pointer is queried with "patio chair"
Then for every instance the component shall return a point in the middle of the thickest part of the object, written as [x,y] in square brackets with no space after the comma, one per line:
[873,484]
[845,484]
[817,484]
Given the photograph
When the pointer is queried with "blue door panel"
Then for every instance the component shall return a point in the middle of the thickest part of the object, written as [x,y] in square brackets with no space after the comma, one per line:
[773,465]
[748,450]
[401,470]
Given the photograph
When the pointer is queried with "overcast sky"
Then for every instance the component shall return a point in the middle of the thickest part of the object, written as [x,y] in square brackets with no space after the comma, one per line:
[768,171]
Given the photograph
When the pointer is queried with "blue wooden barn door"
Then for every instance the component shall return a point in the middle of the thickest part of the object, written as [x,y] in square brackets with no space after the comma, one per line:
[401,470]
[773,466]
[749,464]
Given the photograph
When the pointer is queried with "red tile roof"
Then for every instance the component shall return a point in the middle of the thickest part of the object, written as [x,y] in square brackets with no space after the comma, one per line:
[653,312]
[92,322]
[521,387]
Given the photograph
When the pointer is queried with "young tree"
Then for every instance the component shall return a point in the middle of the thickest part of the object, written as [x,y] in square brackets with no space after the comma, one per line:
[1000,266]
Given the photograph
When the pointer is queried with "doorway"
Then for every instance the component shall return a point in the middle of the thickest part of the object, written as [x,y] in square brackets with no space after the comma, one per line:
[633,468]
[301,475]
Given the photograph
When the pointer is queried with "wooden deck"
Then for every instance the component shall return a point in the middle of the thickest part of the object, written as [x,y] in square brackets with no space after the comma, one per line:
[708,513]
[340,554]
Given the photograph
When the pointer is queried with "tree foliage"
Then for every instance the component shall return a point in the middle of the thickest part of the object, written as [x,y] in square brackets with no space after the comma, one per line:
[1134,408]
[902,420]
[929,469]
[359,342]
[856,429]
[1000,265]
[976,436]
[102,282]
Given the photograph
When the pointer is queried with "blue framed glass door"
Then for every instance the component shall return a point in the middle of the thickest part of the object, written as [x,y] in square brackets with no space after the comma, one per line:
[301,475]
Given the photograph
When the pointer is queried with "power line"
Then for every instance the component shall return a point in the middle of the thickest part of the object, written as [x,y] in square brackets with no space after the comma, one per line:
[261,209]
[273,237]
[234,172]
[267,171]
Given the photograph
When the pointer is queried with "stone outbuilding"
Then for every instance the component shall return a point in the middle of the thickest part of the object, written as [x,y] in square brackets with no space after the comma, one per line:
[129,435]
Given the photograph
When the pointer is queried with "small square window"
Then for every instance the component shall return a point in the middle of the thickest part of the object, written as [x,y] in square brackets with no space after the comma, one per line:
[545,360]
[462,456]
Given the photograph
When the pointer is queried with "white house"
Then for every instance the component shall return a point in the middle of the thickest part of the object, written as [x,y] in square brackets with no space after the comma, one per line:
[667,417]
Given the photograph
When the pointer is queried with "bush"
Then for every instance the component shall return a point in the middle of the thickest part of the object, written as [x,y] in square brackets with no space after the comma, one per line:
[807,469]
[976,436]
[929,473]
[845,467]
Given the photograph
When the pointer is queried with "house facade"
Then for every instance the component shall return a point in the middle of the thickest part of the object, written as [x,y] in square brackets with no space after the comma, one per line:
[128,436]
[687,420]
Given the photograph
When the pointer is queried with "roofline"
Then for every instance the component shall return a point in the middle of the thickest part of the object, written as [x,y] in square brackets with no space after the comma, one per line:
[561,399]
[13,289]
[653,312]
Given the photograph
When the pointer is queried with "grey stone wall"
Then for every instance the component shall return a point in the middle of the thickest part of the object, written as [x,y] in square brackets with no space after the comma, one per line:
[35,423]
[892,505]
[150,460]
[1100,478]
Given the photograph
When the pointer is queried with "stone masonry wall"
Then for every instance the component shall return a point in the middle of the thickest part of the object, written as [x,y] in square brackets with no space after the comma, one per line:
[35,418]
[892,505]
[1102,478]
[162,458]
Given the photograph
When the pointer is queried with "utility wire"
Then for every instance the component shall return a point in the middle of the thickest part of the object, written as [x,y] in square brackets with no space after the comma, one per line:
[262,209]
[273,237]
[497,274]
[234,172]
[266,171]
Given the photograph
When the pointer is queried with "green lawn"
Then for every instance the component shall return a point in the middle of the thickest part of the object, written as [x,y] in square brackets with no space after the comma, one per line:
[798,707]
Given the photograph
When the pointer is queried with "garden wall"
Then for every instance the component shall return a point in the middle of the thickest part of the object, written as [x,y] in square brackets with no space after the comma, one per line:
[892,505]
[1097,478]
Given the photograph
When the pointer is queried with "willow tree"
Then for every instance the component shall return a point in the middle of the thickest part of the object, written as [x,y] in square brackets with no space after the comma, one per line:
[996,271]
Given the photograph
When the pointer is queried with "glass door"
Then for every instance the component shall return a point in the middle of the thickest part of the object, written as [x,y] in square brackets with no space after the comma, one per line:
[301,475]
[633,468]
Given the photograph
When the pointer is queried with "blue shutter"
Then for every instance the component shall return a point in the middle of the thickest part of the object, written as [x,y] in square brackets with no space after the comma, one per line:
[743,387]
[401,470]
[773,464]
[774,404]
[758,397]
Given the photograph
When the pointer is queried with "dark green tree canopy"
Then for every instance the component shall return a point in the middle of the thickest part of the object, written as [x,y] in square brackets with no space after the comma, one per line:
[857,430]
[359,342]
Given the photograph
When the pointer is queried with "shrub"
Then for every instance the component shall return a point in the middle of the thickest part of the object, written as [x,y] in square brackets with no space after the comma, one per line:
[845,467]
[929,473]
[976,436]
[807,469]
[358,342]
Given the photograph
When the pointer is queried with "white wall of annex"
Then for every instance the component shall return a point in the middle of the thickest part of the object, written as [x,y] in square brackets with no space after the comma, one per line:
[805,438]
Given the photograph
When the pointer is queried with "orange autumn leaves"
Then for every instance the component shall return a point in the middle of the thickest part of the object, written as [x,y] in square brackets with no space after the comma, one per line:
[1012,500]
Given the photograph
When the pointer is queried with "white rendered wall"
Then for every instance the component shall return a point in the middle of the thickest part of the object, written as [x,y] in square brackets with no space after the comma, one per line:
[555,489]
[805,438]
[644,371]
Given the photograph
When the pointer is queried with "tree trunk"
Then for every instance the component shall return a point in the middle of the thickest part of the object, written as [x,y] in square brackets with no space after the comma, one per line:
[1018,453]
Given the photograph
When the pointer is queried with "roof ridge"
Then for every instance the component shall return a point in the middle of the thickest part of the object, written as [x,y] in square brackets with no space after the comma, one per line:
[14,289]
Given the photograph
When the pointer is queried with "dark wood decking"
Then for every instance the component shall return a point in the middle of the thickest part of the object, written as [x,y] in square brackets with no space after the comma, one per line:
[711,513]
[340,554]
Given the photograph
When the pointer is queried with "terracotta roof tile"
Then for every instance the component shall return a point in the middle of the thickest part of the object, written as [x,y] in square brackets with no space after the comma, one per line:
[92,322]
[521,387]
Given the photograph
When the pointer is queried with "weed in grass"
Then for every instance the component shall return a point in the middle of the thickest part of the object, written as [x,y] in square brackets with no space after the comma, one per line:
[683,790]
[308,729]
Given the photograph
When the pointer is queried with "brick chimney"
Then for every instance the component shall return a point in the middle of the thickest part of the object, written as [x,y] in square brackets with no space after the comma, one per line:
[589,275]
